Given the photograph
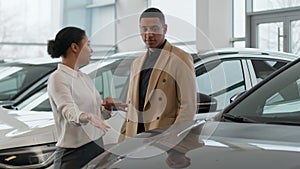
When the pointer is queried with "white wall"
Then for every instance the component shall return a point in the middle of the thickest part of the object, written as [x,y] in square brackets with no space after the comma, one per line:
[214,23]
[213,20]
[56,16]
[128,12]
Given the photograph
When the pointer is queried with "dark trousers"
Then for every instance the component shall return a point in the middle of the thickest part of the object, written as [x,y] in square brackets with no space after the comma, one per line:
[73,158]
[140,128]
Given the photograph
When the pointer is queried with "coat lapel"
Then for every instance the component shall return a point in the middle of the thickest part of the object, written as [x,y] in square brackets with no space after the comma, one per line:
[157,70]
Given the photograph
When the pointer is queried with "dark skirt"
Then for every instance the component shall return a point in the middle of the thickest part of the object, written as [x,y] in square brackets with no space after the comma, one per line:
[73,158]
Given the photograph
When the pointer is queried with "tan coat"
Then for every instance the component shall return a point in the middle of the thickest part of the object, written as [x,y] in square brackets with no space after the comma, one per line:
[171,93]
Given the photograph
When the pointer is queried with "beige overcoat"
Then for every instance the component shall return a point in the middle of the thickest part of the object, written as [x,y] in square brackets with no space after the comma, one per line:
[171,92]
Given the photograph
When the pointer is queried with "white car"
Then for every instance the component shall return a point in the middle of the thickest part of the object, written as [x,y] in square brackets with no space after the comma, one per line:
[27,132]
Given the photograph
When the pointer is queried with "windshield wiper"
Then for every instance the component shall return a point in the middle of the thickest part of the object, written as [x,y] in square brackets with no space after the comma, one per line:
[238,118]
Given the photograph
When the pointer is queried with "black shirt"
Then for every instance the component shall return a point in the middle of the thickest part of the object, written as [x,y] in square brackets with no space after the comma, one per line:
[145,74]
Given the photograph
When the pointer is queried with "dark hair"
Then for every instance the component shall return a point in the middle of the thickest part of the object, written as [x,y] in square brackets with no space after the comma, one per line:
[153,12]
[63,39]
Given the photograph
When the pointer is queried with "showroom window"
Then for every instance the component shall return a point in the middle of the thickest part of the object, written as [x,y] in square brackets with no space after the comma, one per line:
[26,27]
[239,13]
[262,5]
[181,20]
[273,25]
[102,26]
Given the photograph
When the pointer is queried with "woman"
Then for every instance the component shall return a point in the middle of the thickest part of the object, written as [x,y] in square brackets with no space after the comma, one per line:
[75,101]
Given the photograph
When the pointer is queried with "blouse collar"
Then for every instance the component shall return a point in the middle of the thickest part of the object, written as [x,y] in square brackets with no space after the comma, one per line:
[68,70]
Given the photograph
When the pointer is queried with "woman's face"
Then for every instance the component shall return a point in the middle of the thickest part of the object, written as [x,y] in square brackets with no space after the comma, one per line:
[85,52]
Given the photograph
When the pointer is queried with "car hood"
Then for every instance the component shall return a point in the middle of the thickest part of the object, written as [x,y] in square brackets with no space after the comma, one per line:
[212,145]
[23,128]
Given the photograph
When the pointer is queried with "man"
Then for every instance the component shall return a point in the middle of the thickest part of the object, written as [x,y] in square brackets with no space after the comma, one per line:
[162,82]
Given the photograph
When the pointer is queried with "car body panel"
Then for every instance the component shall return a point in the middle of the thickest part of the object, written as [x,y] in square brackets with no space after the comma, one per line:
[19,127]
[220,145]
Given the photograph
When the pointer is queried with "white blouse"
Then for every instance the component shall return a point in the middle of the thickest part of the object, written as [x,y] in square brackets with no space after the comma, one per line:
[71,93]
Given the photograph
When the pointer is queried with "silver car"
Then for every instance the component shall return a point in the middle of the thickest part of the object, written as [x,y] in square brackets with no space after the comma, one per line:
[260,129]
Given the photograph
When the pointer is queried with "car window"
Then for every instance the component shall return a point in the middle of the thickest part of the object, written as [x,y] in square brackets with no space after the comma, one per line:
[211,80]
[277,100]
[38,102]
[15,79]
[263,68]
[110,80]
[284,101]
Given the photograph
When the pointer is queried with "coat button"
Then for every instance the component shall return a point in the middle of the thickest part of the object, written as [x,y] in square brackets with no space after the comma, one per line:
[157,118]
[160,98]
[164,81]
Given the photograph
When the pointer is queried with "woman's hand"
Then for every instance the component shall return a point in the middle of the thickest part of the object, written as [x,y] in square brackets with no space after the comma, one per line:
[98,122]
[94,120]
[109,103]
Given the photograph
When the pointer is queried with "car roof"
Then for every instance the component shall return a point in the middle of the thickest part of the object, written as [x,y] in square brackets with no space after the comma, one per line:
[41,60]
[31,61]
[245,52]
[220,52]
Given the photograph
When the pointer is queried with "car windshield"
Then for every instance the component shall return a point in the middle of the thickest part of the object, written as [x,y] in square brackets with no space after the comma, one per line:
[277,101]
[15,79]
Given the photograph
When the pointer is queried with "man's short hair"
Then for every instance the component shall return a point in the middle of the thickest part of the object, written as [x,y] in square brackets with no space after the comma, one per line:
[153,12]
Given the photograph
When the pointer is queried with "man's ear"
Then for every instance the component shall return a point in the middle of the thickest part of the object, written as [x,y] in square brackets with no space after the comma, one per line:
[165,27]
[74,48]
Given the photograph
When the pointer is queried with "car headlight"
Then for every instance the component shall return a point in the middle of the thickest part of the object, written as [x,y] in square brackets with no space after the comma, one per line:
[39,156]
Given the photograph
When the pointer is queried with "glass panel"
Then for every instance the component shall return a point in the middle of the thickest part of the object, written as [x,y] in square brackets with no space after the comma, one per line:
[102,29]
[28,21]
[112,80]
[239,44]
[15,79]
[263,68]
[269,36]
[277,101]
[221,80]
[38,101]
[284,102]
[295,37]
[261,5]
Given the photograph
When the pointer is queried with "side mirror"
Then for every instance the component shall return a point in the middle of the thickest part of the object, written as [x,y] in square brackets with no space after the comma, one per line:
[234,97]
[206,103]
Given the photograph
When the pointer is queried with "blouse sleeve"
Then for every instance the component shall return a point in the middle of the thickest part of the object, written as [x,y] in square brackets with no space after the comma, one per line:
[60,92]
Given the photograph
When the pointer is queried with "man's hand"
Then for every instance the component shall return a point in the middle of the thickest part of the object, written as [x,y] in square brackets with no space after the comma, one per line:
[109,103]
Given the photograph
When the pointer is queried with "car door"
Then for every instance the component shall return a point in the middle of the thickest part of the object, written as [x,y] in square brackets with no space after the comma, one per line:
[222,79]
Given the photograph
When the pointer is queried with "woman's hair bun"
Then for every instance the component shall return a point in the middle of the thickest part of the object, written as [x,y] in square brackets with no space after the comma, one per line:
[55,49]
[63,40]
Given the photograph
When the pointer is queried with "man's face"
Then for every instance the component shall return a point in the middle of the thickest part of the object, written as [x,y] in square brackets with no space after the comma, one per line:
[152,31]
